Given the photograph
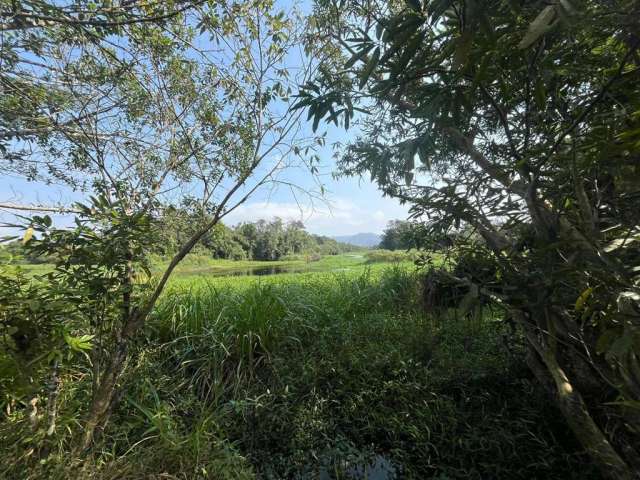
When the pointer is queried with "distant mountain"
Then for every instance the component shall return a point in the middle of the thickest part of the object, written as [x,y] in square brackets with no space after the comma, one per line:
[360,239]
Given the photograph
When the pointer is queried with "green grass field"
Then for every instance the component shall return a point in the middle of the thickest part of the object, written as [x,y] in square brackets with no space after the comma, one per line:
[312,375]
[204,266]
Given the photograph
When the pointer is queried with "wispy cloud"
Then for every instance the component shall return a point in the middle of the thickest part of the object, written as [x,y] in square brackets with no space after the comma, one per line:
[339,217]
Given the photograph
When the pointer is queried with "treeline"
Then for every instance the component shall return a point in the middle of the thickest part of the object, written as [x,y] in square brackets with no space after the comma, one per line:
[404,235]
[260,240]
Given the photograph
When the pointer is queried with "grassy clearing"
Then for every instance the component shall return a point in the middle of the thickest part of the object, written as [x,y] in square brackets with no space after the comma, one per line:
[205,266]
[391,256]
[292,375]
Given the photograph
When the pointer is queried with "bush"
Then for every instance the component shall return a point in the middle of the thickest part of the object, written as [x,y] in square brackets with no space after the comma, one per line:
[390,256]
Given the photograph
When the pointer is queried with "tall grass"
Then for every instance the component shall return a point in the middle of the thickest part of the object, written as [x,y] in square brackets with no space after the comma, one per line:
[288,376]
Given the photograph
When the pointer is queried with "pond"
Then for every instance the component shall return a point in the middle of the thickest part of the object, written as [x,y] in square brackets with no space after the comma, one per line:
[269,270]
[378,468]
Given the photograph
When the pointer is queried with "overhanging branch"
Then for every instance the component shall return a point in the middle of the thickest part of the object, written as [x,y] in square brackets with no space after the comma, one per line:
[38,208]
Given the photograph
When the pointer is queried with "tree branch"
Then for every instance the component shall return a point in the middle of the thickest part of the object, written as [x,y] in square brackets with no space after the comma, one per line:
[38,208]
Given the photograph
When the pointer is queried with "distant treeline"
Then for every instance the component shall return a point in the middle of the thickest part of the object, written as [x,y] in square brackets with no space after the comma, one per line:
[260,240]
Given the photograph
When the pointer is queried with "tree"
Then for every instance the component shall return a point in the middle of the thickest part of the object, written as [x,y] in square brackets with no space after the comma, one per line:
[399,235]
[519,120]
[192,107]
[37,35]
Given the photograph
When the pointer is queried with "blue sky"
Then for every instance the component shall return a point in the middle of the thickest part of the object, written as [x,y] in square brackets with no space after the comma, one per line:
[349,205]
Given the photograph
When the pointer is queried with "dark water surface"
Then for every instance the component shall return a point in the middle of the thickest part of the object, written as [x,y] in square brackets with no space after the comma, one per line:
[272,270]
[267,269]
[379,468]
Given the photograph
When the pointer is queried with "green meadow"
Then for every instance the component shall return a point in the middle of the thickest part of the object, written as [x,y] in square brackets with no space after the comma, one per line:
[332,373]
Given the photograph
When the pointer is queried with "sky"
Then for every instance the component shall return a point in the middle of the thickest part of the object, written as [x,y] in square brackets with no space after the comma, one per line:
[348,206]
[352,207]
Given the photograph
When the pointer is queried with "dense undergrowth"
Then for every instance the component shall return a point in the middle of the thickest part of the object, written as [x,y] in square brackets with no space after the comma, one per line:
[307,376]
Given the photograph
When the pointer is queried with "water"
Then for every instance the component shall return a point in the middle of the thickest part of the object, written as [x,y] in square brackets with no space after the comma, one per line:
[268,270]
[272,270]
[379,468]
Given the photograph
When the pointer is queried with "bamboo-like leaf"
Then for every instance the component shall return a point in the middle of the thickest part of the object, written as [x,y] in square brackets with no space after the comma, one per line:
[584,296]
[371,65]
[357,56]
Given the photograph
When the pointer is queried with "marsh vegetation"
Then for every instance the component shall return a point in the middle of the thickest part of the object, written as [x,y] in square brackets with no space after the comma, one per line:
[292,375]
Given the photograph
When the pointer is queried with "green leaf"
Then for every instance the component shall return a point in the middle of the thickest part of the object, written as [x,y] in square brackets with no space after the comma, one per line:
[316,122]
[584,296]
[358,56]
[379,30]
[540,94]
[408,53]
[79,344]
[371,65]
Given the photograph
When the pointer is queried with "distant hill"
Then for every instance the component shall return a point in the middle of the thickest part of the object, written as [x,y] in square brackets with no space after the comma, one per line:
[360,239]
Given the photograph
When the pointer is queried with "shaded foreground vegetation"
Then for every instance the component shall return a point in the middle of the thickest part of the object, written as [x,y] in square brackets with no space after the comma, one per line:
[296,375]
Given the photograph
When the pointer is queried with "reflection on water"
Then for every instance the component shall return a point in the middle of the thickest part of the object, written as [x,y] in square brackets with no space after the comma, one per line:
[379,468]
[269,270]
[273,270]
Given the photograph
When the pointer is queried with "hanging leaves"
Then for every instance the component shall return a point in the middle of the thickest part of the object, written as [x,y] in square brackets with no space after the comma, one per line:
[370,67]
[358,56]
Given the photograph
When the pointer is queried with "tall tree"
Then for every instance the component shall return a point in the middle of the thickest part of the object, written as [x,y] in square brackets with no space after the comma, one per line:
[399,235]
[143,106]
[39,37]
[521,120]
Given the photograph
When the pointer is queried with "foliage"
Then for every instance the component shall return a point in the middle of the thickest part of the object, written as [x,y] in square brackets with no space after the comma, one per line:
[399,235]
[376,256]
[139,106]
[37,324]
[273,240]
[289,376]
[66,68]
[259,240]
[519,121]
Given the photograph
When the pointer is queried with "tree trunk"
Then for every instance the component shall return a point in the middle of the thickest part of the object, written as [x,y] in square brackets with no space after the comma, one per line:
[103,396]
[574,409]
[105,388]
[133,319]
[52,401]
